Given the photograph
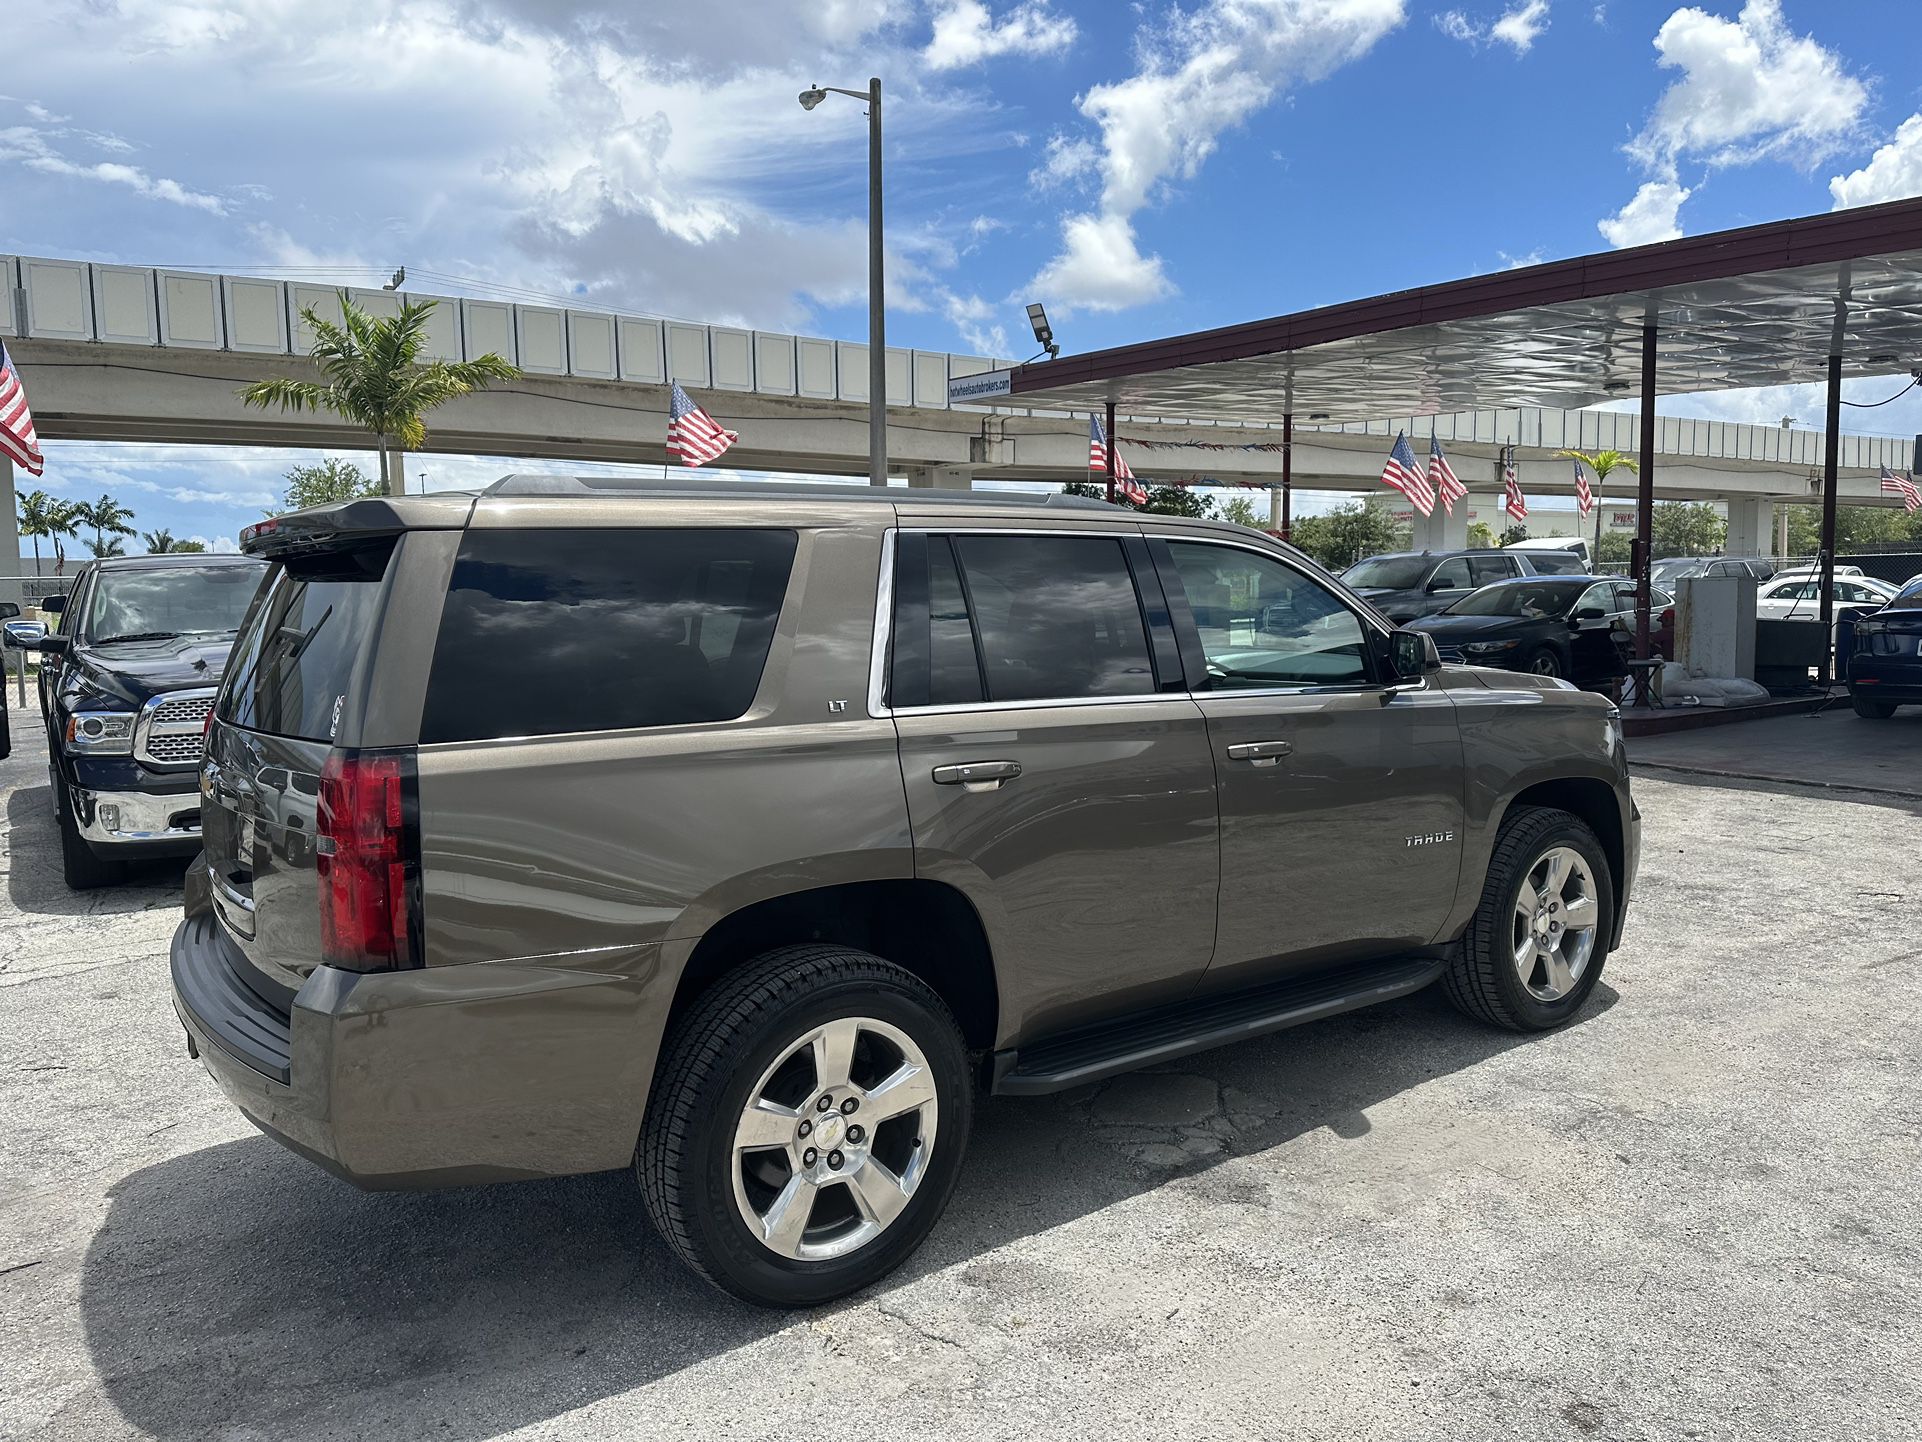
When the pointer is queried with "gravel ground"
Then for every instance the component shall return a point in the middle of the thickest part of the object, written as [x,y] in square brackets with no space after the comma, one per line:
[1691,1214]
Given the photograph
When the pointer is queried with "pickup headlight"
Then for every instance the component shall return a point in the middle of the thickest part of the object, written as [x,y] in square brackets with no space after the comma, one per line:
[1488,648]
[100,733]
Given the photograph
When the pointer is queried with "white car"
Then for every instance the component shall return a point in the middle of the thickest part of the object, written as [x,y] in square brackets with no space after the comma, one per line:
[1799,598]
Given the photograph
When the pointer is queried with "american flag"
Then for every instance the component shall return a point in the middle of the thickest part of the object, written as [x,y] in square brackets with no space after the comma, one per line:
[1516,504]
[693,438]
[17,440]
[1442,477]
[1402,474]
[1584,498]
[1124,479]
[1903,486]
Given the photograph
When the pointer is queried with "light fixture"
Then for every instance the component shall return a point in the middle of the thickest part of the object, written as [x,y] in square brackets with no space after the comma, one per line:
[1043,332]
[396,280]
[812,98]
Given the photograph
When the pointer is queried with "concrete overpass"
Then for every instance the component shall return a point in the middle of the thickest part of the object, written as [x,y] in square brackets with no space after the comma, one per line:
[130,354]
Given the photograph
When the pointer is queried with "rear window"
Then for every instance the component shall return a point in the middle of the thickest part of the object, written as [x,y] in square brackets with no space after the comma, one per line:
[1557,563]
[549,632]
[312,624]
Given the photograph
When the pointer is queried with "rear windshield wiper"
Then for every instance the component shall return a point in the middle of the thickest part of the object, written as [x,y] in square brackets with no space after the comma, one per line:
[139,636]
[298,638]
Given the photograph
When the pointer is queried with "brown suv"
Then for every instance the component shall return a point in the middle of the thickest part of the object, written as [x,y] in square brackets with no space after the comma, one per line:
[743,833]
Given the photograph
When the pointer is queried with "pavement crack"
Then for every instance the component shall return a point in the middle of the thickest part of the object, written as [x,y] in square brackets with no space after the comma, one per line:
[918,1329]
[21,1266]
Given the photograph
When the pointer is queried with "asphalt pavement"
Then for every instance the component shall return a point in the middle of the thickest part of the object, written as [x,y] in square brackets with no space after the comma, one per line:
[1690,1214]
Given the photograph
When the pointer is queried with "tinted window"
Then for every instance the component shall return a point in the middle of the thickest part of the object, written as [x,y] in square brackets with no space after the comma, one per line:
[1491,568]
[1599,597]
[1057,617]
[1272,625]
[1388,573]
[954,671]
[548,632]
[1451,575]
[1557,563]
[167,601]
[295,658]
[1531,599]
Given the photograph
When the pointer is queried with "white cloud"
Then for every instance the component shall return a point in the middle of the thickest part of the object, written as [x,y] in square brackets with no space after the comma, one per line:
[1520,26]
[965,33]
[1654,214]
[35,150]
[1749,88]
[1200,73]
[1066,158]
[1457,26]
[1894,172]
[973,317]
[1518,262]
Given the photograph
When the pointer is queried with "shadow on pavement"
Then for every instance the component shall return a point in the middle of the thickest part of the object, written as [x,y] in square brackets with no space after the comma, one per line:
[240,1291]
[34,882]
[1777,786]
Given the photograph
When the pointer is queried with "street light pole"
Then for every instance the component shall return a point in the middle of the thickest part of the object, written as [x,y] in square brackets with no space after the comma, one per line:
[877,306]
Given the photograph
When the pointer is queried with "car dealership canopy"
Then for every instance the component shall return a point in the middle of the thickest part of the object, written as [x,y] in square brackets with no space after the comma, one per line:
[1813,299]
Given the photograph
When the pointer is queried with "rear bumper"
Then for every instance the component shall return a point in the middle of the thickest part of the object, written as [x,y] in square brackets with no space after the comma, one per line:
[1894,680]
[443,1076]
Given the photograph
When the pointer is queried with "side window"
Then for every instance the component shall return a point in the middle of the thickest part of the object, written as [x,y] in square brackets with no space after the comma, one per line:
[1057,616]
[1491,568]
[1849,591]
[1600,597]
[1451,575]
[1625,597]
[954,667]
[1274,625]
[546,632]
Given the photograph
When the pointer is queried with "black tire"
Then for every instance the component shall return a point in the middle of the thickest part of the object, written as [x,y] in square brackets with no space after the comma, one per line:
[1542,661]
[1483,981]
[1871,710]
[82,870]
[712,1060]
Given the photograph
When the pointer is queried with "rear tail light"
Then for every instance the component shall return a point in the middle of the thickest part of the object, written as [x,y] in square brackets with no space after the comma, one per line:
[368,860]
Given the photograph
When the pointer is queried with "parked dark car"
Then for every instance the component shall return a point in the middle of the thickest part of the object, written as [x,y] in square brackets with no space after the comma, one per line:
[125,688]
[1885,669]
[1405,584]
[749,835]
[1549,625]
[1667,572]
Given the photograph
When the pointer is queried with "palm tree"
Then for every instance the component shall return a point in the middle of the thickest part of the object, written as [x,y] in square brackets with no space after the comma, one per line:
[158,543]
[36,510]
[373,378]
[108,518]
[1601,463]
[63,520]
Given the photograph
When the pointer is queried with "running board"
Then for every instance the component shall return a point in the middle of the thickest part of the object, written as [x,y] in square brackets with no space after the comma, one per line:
[1142,1038]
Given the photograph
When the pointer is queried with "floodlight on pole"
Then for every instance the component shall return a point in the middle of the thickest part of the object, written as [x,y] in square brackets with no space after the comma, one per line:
[877,317]
[1043,332]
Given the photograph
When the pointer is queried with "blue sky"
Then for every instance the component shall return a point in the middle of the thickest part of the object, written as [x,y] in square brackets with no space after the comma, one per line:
[1144,169]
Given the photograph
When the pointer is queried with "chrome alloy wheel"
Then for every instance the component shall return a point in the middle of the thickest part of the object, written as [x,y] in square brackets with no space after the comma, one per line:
[835,1137]
[1545,665]
[1556,915]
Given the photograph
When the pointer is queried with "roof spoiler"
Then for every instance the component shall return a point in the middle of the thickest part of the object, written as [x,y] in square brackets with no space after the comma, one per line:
[346,523]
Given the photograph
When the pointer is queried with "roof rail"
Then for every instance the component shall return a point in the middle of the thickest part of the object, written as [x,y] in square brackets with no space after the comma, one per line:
[532,483]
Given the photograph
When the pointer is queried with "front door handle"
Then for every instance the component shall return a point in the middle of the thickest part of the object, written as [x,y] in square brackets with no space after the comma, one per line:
[977,775]
[1261,753]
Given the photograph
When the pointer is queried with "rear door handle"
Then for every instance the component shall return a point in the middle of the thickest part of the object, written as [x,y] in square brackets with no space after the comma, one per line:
[977,775]
[1261,753]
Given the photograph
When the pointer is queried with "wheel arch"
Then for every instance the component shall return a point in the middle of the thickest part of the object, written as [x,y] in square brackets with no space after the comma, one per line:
[1595,802]
[926,927]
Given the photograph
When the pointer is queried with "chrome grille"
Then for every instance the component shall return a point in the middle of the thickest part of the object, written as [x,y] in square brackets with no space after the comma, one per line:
[171,726]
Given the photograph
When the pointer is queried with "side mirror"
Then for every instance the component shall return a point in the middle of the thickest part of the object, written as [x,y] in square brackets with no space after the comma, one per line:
[1414,654]
[53,605]
[52,645]
[1587,613]
[8,611]
[1436,586]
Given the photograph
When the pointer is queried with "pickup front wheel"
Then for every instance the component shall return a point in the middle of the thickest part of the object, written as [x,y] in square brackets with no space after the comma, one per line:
[807,1125]
[1535,948]
[81,869]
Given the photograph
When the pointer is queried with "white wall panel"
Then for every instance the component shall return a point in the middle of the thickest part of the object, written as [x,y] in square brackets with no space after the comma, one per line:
[590,345]
[256,314]
[851,360]
[443,329]
[815,368]
[931,379]
[59,301]
[542,333]
[731,352]
[124,309]
[322,300]
[383,303]
[189,309]
[487,328]
[9,278]
[900,376]
[642,358]
[774,373]
[687,354]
